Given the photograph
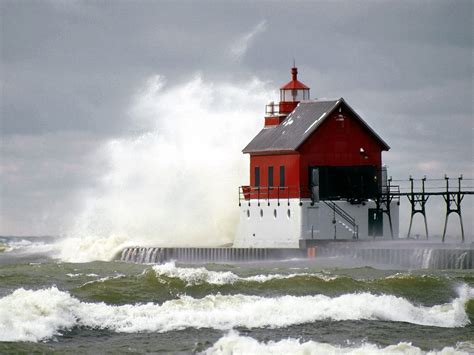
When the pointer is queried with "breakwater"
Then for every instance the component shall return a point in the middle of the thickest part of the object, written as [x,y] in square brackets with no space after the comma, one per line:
[416,256]
[160,255]
[406,255]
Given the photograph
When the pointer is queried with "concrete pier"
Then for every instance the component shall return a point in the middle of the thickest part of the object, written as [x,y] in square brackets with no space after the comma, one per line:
[406,254]
[161,255]
[398,254]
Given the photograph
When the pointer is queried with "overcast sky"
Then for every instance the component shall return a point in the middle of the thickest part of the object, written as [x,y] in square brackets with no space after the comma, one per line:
[69,71]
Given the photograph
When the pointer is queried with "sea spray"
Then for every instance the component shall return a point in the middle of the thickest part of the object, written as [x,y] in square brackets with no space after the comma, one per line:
[33,315]
[174,184]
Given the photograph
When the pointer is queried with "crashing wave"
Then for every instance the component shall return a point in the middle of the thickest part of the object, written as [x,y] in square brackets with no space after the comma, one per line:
[33,315]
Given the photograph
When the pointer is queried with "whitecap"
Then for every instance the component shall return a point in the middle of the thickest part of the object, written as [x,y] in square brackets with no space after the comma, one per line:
[234,344]
[200,275]
[33,315]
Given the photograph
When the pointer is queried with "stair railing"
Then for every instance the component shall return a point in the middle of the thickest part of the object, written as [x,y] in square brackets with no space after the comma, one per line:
[346,216]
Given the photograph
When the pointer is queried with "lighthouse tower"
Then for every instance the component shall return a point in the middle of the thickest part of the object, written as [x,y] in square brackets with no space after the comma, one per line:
[315,174]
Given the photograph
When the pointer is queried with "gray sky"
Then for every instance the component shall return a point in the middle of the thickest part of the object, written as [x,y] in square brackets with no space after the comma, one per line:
[70,69]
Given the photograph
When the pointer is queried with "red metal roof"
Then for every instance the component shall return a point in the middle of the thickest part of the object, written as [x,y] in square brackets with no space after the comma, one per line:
[294,83]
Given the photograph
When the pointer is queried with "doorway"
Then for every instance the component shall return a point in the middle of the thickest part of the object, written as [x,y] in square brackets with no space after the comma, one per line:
[375,222]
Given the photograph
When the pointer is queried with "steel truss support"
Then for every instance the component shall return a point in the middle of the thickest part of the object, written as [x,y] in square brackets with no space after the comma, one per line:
[418,204]
[453,199]
[384,200]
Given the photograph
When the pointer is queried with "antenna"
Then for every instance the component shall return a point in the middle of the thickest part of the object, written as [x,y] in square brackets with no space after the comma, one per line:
[294,64]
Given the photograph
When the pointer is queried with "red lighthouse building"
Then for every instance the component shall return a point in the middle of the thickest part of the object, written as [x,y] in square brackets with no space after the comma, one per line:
[314,154]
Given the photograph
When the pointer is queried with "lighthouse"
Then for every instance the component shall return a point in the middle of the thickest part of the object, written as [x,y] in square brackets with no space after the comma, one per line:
[316,173]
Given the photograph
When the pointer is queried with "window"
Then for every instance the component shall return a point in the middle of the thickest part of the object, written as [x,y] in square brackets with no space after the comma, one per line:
[282,176]
[292,95]
[257,176]
[270,176]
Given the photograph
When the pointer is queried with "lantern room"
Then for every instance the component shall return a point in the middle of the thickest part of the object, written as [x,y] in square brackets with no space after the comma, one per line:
[292,93]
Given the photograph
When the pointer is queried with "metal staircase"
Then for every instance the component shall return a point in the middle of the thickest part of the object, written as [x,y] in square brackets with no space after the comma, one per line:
[349,222]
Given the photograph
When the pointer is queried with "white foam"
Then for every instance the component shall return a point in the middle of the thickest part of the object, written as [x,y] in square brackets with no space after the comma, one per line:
[197,275]
[24,246]
[200,275]
[103,279]
[235,344]
[74,275]
[80,274]
[34,315]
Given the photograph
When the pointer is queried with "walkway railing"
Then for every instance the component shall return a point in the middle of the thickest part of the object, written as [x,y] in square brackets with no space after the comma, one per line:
[418,191]
[280,193]
[272,109]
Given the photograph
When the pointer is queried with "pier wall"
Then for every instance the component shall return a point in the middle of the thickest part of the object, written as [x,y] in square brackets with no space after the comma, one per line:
[416,257]
[160,255]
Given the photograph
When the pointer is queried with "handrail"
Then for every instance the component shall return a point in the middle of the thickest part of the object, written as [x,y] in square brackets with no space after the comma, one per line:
[279,193]
[346,216]
[272,109]
[341,212]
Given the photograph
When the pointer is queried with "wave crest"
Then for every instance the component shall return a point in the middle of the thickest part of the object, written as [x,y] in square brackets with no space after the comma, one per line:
[235,344]
[36,315]
[200,275]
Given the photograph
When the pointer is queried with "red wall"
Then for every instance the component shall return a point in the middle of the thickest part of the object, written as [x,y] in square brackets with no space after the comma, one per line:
[290,161]
[338,144]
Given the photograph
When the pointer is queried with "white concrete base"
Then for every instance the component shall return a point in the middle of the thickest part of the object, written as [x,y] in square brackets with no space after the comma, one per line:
[265,224]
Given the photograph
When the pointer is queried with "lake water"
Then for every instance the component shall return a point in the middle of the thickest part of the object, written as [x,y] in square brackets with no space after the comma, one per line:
[324,306]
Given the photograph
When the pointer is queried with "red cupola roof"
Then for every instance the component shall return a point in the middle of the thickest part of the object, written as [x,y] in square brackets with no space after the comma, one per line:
[294,83]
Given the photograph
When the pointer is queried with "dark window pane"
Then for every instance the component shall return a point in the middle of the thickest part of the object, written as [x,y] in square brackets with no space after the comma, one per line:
[270,176]
[257,176]
[282,176]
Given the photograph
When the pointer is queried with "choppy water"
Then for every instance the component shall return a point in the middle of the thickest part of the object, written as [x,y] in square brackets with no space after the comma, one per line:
[280,307]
